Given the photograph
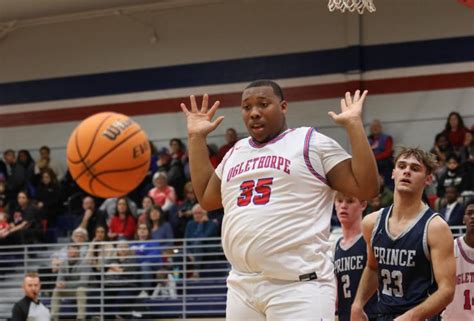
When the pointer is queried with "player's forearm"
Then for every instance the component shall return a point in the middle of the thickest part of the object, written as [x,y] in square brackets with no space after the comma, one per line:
[367,287]
[364,167]
[434,304]
[199,164]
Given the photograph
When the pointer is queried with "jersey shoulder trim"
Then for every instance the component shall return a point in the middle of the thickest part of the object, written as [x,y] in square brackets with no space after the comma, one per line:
[463,252]
[307,160]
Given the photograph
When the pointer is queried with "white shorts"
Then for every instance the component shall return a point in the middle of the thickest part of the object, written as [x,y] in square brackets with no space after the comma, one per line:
[254,297]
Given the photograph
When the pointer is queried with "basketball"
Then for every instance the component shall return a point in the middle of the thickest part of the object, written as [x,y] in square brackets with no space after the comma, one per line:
[108,154]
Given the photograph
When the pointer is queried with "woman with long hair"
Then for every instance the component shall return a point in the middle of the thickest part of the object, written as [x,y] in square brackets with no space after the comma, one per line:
[123,223]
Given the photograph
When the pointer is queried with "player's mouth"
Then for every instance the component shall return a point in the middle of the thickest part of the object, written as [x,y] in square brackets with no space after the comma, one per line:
[258,128]
[405,181]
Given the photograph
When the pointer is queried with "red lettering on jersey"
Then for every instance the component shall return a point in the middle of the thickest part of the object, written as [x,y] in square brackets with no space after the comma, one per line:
[281,160]
[261,161]
[267,161]
[247,165]
[287,166]
[273,162]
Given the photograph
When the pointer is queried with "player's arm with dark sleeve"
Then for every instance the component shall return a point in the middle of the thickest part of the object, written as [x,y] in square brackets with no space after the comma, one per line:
[19,313]
[441,245]
[369,281]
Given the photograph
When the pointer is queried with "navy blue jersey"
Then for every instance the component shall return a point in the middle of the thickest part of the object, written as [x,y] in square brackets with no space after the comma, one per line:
[349,263]
[404,268]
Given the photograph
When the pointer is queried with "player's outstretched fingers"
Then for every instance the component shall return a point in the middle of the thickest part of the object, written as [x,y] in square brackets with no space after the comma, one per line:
[194,107]
[205,103]
[348,98]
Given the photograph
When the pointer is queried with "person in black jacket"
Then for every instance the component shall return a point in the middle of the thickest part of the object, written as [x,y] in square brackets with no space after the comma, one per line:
[49,196]
[30,308]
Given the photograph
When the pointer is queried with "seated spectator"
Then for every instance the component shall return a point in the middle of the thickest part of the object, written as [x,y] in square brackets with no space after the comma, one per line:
[123,223]
[200,227]
[441,149]
[147,203]
[453,211]
[184,212]
[121,282]
[91,217]
[25,227]
[455,130]
[48,196]
[45,161]
[109,207]
[452,177]
[148,256]
[4,225]
[3,196]
[162,194]
[72,280]
[382,147]
[160,228]
[230,138]
[99,253]
[466,152]
[383,199]
[15,175]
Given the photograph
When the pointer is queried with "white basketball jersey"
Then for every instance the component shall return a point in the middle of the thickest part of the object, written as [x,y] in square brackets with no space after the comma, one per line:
[278,205]
[462,306]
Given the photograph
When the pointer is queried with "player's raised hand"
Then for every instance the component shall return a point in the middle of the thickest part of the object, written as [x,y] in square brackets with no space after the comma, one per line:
[199,120]
[351,108]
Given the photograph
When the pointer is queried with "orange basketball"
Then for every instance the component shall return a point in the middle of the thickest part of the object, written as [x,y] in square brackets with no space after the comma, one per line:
[108,154]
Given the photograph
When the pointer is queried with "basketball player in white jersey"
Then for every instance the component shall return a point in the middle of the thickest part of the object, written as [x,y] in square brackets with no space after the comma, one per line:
[277,188]
[462,307]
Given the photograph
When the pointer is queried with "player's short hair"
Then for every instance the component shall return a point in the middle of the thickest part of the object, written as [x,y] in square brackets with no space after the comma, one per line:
[468,203]
[268,83]
[31,274]
[428,159]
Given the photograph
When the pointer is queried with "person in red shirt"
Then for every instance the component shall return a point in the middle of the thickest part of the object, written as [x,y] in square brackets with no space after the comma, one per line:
[123,223]
[455,130]
[231,138]
[382,147]
[162,194]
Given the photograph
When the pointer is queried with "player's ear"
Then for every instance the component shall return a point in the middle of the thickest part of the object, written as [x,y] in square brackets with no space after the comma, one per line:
[428,179]
[284,106]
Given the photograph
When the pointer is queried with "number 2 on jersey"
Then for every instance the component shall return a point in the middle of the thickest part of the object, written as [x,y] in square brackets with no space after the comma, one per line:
[259,192]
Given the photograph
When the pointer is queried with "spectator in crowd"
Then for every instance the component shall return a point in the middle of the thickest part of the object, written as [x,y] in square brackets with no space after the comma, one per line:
[109,206]
[28,164]
[453,211]
[383,199]
[15,175]
[48,196]
[24,221]
[99,254]
[441,149]
[213,156]
[455,130]
[123,223]
[45,161]
[121,276]
[382,146]
[91,216]
[3,196]
[200,227]
[184,212]
[72,280]
[461,307]
[176,176]
[230,138]
[156,221]
[147,203]
[466,152]
[148,257]
[4,225]
[452,177]
[162,194]
[30,307]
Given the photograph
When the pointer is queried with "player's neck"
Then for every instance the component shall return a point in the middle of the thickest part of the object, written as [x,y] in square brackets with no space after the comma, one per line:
[469,239]
[406,206]
[349,233]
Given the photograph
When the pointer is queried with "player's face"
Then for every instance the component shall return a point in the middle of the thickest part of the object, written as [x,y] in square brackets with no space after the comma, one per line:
[348,209]
[469,219]
[32,287]
[263,113]
[410,175]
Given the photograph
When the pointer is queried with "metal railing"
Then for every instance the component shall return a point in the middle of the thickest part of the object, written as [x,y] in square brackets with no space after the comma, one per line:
[102,280]
[135,280]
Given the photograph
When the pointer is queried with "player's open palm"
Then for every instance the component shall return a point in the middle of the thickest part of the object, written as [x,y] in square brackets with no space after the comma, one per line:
[199,120]
[351,108]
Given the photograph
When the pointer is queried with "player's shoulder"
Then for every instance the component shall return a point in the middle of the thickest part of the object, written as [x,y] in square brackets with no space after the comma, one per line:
[371,219]
[439,231]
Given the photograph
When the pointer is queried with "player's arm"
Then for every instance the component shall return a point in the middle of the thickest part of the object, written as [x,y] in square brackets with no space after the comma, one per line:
[357,176]
[206,184]
[440,242]
[369,281]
